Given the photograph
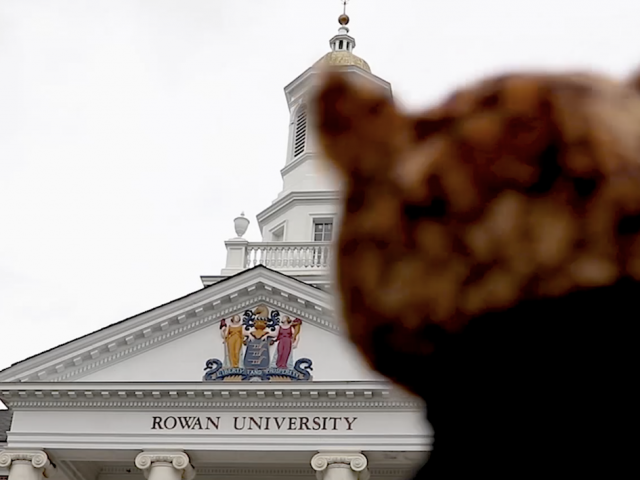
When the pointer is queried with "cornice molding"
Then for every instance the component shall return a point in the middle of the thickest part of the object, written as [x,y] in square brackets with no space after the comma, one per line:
[306,80]
[293,198]
[207,396]
[285,405]
[296,88]
[274,396]
[308,155]
[356,386]
[174,320]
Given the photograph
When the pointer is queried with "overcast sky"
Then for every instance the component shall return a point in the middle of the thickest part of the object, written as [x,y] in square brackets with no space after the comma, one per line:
[133,132]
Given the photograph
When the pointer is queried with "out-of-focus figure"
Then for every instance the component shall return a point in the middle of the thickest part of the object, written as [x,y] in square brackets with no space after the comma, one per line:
[489,262]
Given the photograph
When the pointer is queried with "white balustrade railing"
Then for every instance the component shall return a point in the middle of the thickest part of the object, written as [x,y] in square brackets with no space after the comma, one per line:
[288,255]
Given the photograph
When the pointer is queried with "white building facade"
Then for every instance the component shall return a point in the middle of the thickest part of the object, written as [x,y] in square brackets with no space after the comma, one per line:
[249,377]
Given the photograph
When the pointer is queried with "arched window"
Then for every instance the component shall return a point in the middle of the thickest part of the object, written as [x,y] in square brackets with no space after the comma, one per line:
[300,133]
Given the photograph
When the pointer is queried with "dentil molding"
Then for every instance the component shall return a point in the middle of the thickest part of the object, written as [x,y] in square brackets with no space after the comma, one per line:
[214,405]
[373,395]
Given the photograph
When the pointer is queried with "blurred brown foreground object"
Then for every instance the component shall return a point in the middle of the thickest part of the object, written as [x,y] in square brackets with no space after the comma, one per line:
[489,261]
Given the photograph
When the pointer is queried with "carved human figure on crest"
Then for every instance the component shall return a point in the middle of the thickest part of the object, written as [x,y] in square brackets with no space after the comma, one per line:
[287,338]
[233,337]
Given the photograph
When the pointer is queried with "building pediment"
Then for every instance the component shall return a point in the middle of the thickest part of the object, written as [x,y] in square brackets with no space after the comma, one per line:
[134,336]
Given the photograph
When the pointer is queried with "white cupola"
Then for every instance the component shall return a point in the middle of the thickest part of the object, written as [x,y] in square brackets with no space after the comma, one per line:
[300,224]
[305,208]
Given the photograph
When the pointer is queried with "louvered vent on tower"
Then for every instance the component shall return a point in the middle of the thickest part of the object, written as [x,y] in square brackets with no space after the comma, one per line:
[300,135]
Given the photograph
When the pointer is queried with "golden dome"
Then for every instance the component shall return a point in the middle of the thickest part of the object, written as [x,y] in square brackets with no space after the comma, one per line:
[343,59]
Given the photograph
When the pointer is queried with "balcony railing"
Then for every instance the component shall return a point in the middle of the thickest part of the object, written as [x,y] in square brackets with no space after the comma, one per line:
[288,255]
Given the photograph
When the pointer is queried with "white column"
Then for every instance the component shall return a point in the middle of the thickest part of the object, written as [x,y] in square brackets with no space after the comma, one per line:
[26,464]
[165,466]
[340,466]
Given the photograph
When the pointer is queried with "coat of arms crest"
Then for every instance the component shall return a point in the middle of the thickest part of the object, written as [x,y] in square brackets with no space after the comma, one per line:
[259,345]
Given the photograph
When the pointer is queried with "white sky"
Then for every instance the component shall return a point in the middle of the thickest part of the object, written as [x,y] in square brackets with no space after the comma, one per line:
[133,132]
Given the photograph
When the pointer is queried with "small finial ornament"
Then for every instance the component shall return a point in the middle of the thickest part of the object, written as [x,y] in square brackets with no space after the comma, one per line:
[241,224]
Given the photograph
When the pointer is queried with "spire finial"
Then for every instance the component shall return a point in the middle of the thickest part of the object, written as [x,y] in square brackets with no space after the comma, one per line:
[342,42]
[344,18]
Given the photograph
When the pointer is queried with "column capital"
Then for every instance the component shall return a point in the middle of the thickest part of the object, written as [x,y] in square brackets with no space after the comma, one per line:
[322,462]
[178,460]
[37,458]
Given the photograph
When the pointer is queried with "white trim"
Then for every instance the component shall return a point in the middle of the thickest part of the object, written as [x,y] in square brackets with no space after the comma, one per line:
[318,280]
[258,471]
[362,395]
[300,86]
[294,163]
[280,226]
[290,442]
[322,218]
[236,406]
[309,387]
[295,198]
[294,107]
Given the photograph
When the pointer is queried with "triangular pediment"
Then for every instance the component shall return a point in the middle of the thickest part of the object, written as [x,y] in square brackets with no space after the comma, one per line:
[174,341]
